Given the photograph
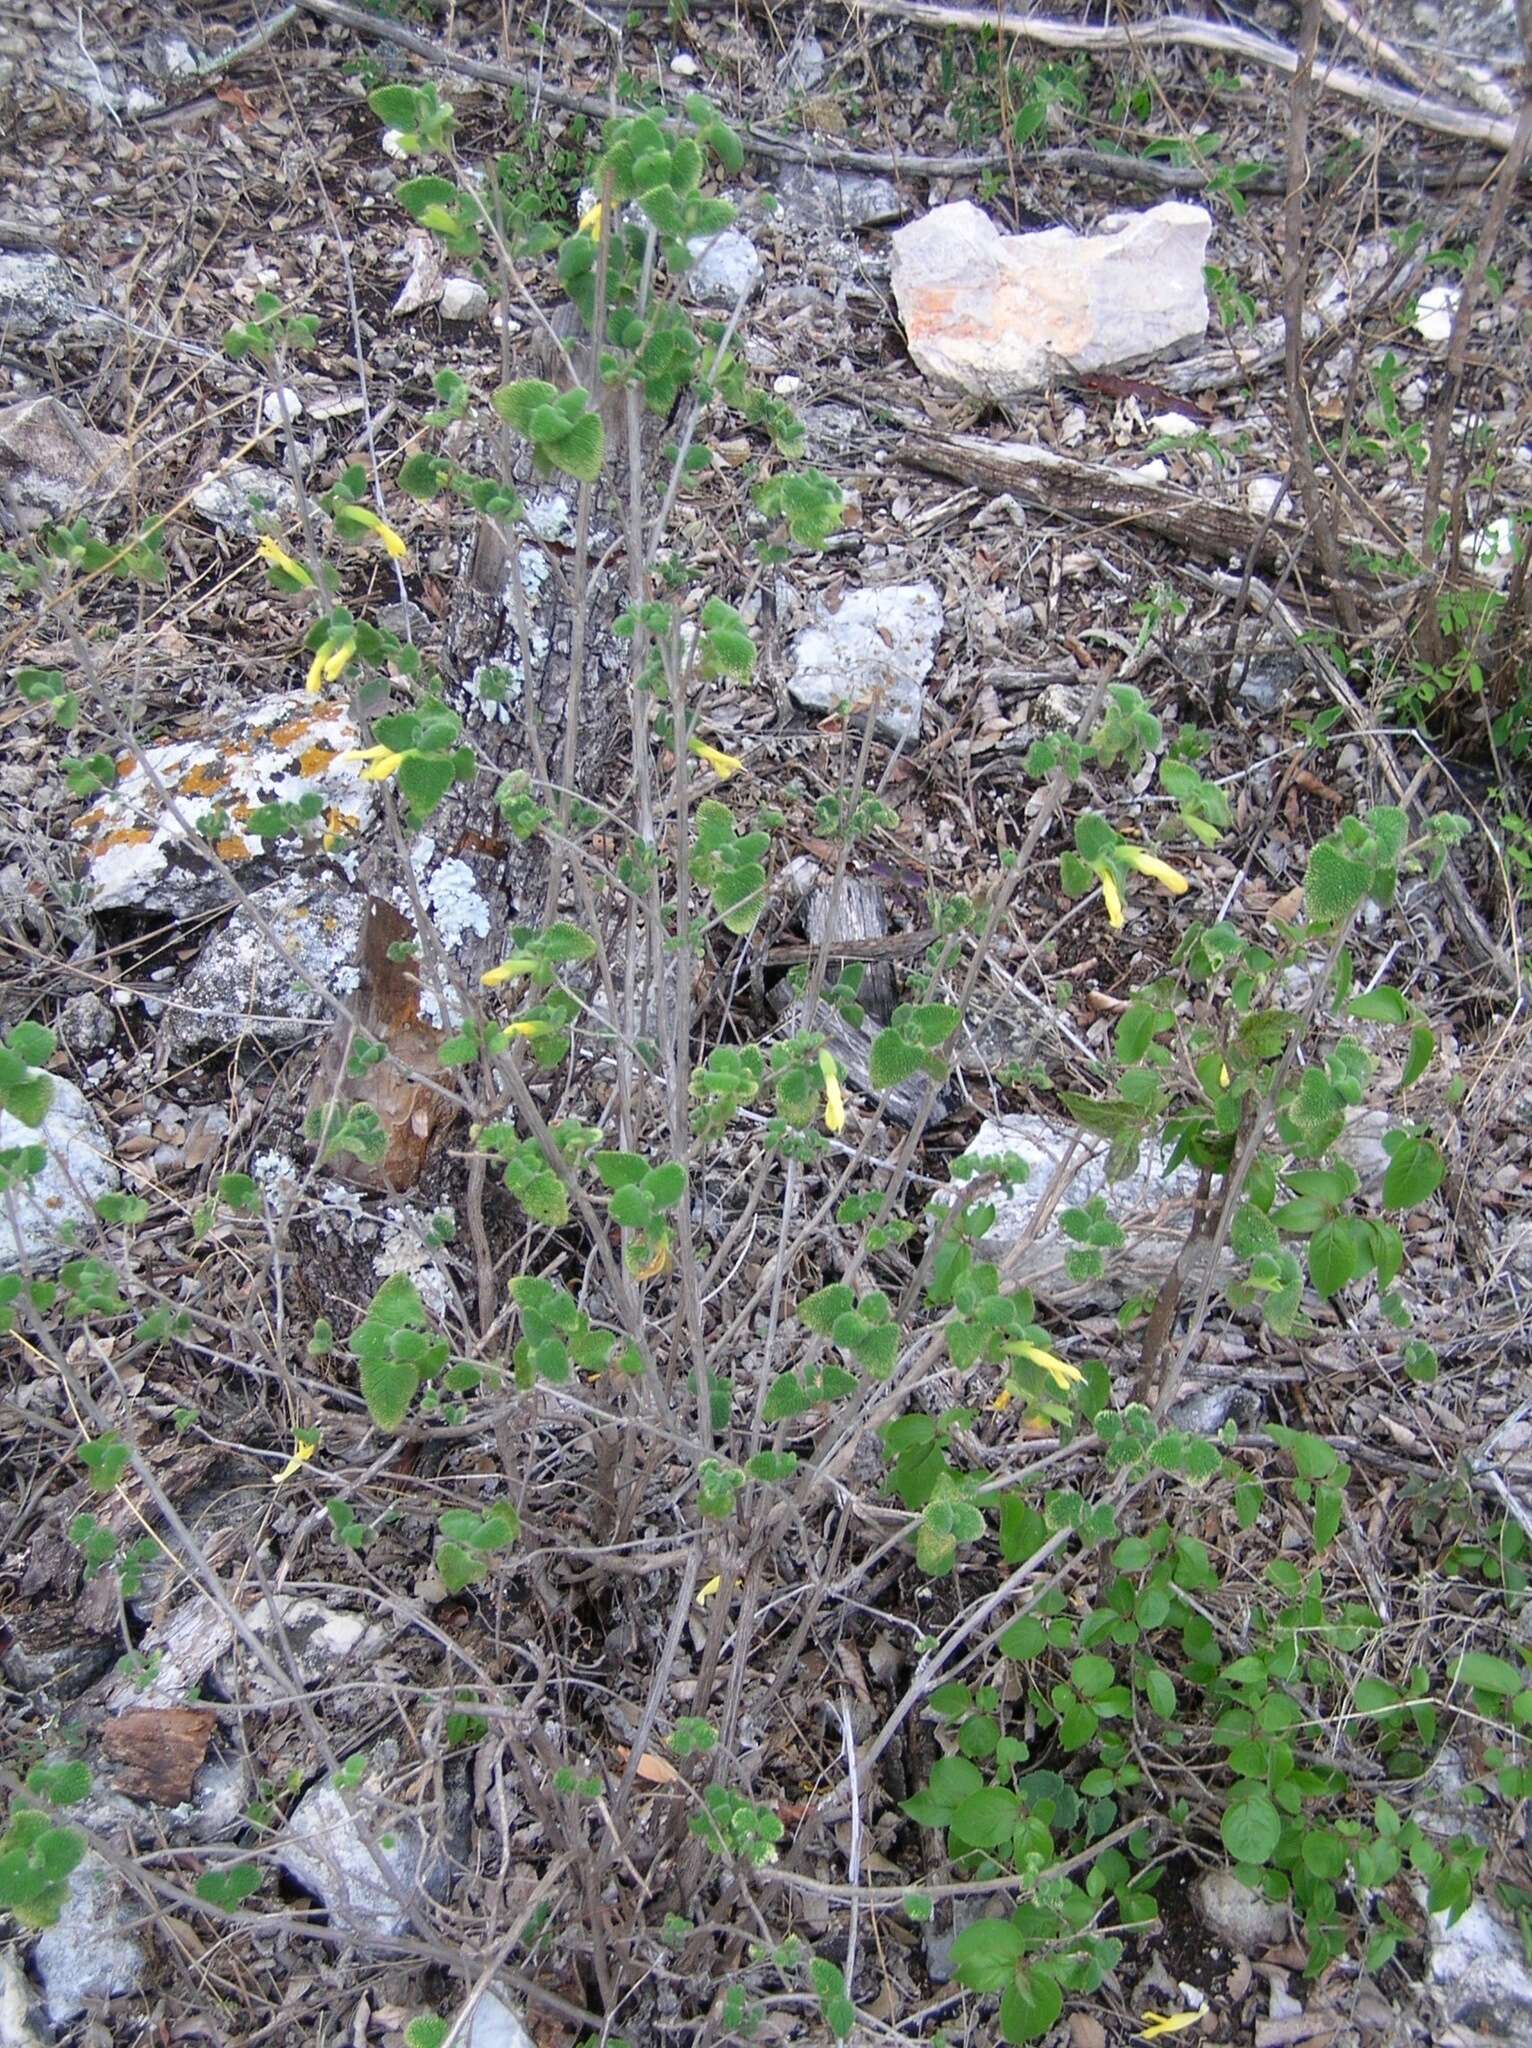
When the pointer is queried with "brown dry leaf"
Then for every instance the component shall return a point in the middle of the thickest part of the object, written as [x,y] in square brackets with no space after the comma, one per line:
[654,1770]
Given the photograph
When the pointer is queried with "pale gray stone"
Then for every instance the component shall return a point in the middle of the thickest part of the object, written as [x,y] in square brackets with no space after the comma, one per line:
[1478,1972]
[19,2017]
[334,1852]
[999,316]
[463,298]
[1151,1206]
[86,1954]
[836,202]
[53,464]
[79,1169]
[725,269]
[874,653]
[496,2025]
[37,293]
[1234,1913]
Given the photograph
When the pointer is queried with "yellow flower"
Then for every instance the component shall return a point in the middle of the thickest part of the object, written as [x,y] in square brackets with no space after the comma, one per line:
[279,558]
[590,222]
[338,826]
[1163,2023]
[660,1263]
[1003,1400]
[328,664]
[337,659]
[1111,895]
[705,1593]
[508,970]
[1059,1370]
[381,761]
[304,1447]
[524,1027]
[1156,869]
[835,1102]
[722,765]
[360,516]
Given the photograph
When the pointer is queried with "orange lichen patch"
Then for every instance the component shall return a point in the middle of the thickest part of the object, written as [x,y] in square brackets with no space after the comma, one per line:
[232,849]
[288,735]
[90,820]
[206,779]
[129,835]
[315,760]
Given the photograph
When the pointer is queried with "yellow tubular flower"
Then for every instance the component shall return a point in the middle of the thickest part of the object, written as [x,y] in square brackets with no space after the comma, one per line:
[1156,869]
[397,547]
[381,762]
[835,1102]
[336,661]
[524,1027]
[497,977]
[1111,895]
[705,1593]
[279,558]
[723,765]
[1162,2024]
[1059,1370]
[590,223]
[315,676]
[1003,1400]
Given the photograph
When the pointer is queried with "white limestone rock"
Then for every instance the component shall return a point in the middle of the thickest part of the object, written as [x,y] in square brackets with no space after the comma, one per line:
[998,316]
[79,1170]
[873,654]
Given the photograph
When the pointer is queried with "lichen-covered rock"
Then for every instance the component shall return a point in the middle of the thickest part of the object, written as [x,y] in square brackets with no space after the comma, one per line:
[836,202]
[241,986]
[136,853]
[235,499]
[725,269]
[37,293]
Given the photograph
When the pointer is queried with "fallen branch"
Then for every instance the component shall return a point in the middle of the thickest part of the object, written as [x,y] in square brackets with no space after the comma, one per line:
[1107,496]
[1180,30]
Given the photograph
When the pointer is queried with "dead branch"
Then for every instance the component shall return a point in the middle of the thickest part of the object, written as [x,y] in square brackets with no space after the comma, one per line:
[1106,496]
[1179,30]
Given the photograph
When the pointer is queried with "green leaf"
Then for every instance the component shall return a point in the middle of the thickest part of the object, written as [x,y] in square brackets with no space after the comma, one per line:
[893,1060]
[1333,1261]
[395,105]
[1380,1006]
[388,1387]
[1489,1673]
[459,1567]
[516,403]
[985,1954]
[987,1818]
[229,1888]
[1030,2006]
[1416,1170]
[424,780]
[1251,1829]
[821,1311]
[1091,1675]
[420,196]
[1422,1051]
[1334,885]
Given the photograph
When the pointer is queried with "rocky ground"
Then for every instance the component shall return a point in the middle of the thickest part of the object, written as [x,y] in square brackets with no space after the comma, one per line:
[444,1787]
